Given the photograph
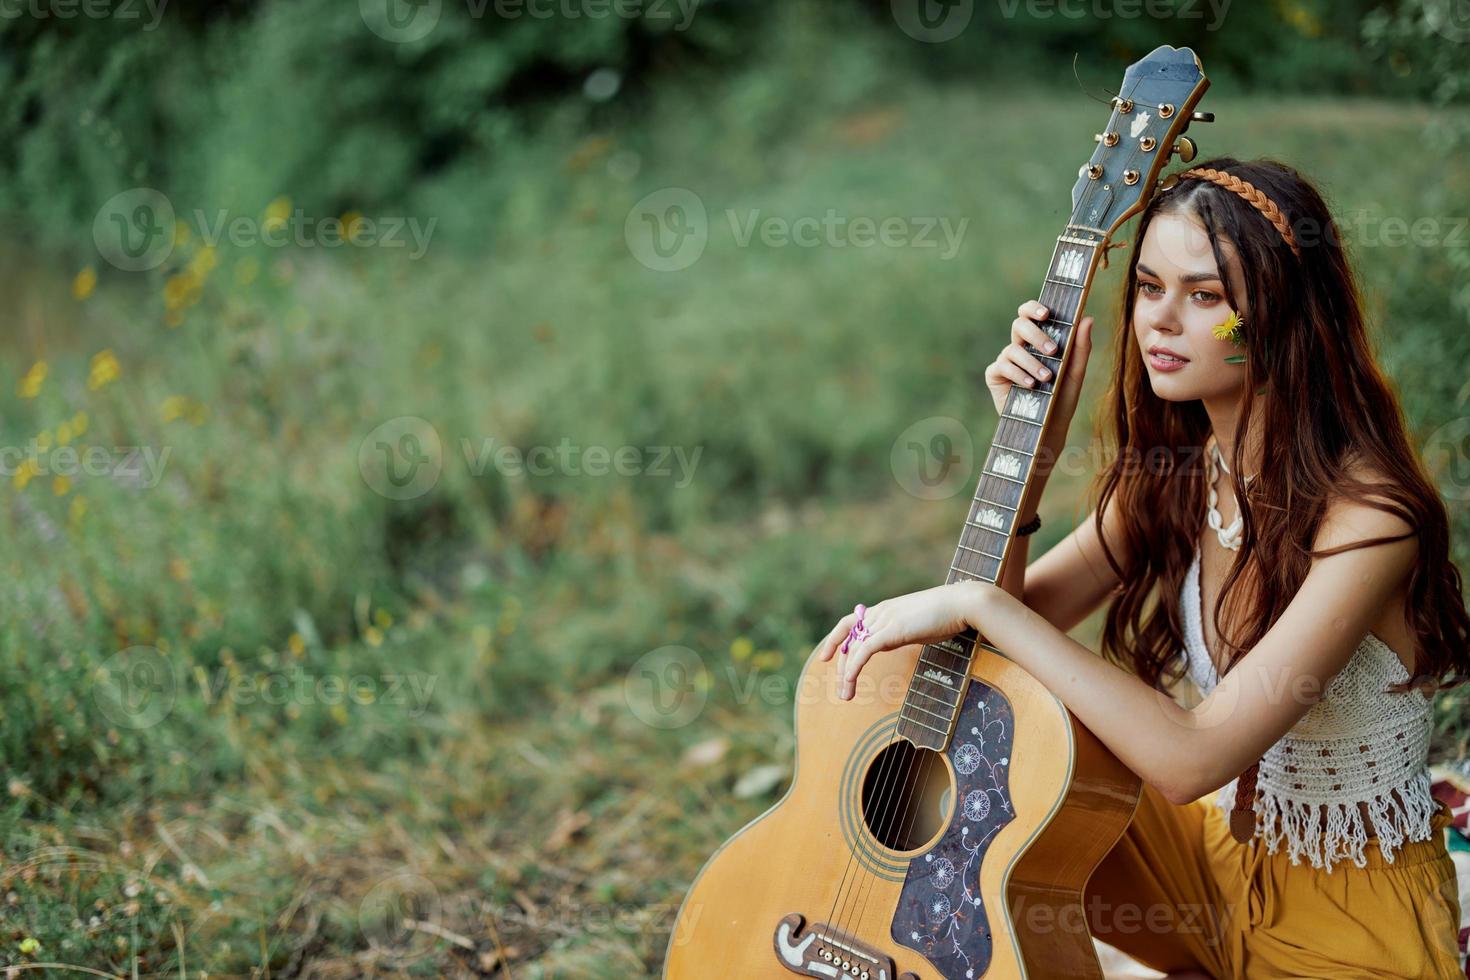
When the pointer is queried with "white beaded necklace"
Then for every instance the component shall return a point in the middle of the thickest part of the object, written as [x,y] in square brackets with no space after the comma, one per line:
[1230,537]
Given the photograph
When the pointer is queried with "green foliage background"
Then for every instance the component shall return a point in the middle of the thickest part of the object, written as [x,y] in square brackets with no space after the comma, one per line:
[237,833]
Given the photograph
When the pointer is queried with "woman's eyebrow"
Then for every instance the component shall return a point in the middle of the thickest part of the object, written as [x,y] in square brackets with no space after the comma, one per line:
[1187,277]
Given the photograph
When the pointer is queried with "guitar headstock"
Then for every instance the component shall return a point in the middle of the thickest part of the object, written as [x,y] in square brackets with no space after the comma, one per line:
[1153,108]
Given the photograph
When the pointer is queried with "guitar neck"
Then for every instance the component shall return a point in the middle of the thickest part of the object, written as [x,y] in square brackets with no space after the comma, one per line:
[938,682]
[1005,479]
[1151,111]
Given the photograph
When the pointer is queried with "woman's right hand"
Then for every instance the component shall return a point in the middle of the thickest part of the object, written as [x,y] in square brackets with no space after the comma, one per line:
[1017,366]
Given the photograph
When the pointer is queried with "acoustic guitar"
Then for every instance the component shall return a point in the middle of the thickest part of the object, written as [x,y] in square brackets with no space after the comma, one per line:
[951,835]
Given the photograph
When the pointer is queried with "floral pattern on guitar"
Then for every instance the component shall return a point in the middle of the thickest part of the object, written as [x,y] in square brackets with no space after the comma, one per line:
[940,911]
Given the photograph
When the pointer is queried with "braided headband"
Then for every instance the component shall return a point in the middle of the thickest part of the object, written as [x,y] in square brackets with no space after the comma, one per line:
[1252,195]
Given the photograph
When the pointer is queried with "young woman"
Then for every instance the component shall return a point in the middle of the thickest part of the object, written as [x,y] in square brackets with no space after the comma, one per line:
[1315,617]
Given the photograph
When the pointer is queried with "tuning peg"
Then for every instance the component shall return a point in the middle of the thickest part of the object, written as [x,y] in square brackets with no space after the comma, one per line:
[1185,149]
[1202,117]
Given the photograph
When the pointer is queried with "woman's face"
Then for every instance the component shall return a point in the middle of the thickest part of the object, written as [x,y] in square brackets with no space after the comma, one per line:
[1181,299]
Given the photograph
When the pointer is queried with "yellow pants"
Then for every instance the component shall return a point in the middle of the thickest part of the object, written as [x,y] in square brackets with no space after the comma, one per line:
[1178,892]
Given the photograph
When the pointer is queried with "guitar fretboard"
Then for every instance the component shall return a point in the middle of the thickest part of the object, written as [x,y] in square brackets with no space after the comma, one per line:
[938,682]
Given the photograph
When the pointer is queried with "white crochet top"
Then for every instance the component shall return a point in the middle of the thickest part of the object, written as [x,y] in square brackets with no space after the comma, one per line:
[1356,744]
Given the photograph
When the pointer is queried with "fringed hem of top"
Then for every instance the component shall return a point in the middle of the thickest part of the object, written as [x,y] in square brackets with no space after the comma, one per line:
[1394,820]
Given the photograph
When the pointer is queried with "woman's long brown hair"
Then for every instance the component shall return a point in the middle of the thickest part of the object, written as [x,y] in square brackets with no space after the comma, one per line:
[1327,406]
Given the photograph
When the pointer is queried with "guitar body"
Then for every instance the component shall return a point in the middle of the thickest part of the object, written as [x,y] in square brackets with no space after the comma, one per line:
[949,831]
[1024,811]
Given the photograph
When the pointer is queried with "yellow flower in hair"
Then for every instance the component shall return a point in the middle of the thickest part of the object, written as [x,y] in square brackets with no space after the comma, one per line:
[1230,330]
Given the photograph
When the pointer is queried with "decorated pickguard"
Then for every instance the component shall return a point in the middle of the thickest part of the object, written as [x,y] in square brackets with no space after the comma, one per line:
[940,912]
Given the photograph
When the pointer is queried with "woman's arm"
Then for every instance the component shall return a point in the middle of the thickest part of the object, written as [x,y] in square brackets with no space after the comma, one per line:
[1186,753]
[1183,752]
[1065,585]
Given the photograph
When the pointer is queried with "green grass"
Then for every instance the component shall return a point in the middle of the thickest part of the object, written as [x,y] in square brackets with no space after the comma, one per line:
[527,807]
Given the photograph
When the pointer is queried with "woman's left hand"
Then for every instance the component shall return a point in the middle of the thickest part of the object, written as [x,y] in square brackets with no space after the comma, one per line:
[919,617]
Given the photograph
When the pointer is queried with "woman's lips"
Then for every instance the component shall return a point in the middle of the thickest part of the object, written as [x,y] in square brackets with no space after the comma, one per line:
[1160,363]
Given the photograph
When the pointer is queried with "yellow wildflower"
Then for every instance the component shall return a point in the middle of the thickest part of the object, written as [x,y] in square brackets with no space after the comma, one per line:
[373,636]
[203,262]
[77,511]
[105,369]
[351,225]
[79,424]
[26,472]
[84,283]
[43,440]
[1229,330]
[173,407]
[741,649]
[382,617]
[30,385]
[181,290]
[767,660]
[246,271]
[277,212]
[63,434]
[60,485]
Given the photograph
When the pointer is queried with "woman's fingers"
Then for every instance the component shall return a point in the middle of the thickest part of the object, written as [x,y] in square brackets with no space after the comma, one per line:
[857,655]
[1025,327]
[1031,366]
[833,640]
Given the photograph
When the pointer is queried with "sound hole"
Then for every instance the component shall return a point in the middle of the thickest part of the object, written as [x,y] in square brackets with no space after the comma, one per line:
[906,794]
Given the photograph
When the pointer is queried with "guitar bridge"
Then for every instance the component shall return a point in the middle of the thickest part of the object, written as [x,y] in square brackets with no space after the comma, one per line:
[824,952]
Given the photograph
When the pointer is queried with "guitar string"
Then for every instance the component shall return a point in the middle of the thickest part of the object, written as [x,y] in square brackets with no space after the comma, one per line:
[1051,295]
[1072,317]
[1072,314]
[884,799]
[907,815]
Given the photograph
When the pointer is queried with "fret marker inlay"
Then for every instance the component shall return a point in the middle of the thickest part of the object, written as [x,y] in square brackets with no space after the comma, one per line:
[936,675]
[1029,406]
